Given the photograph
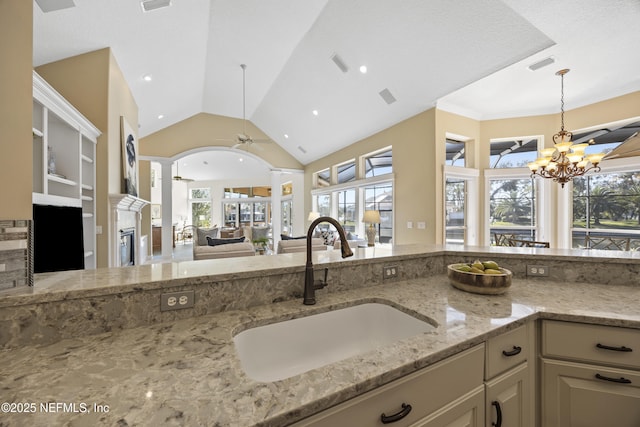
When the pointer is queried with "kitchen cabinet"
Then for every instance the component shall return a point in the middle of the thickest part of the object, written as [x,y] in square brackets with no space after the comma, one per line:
[508,378]
[64,159]
[590,375]
[449,392]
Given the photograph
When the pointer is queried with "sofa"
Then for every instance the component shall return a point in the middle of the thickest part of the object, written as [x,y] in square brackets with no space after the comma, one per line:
[300,245]
[203,249]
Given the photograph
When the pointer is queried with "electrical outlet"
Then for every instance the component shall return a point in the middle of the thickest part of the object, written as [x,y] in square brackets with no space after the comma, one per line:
[422,225]
[177,300]
[537,270]
[389,272]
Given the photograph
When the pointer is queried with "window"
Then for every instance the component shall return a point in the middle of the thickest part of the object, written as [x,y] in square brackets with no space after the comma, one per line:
[346,172]
[322,179]
[512,207]
[513,153]
[246,192]
[230,214]
[378,164]
[455,151]
[606,210]
[455,197]
[286,224]
[236,193]
[200,200]
[354,193]
[380,198]
[323,204]
[347,209]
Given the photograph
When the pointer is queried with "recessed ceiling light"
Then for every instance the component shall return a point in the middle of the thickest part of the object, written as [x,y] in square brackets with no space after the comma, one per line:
[241,159]
[363,69]
[147,77]
[160,116]
[315,112]
[286,136]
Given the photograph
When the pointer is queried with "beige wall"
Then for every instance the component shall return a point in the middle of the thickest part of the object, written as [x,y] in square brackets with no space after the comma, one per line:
[94,84]
[16,144]
[209,130]
[413,149]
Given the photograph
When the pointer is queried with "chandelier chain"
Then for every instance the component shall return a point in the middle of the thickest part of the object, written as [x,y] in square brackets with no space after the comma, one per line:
[562,102]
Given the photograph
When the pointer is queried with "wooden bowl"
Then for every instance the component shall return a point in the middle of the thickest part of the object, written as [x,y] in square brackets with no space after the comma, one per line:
[486,284]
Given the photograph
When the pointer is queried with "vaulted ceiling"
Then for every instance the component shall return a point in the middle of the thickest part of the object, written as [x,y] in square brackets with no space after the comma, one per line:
[466,56]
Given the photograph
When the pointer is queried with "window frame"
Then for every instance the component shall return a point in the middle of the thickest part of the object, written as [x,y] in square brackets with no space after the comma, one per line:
[471,176]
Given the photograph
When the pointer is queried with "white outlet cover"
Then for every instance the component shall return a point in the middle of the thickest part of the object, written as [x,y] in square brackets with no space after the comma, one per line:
[409,224]
[422,225]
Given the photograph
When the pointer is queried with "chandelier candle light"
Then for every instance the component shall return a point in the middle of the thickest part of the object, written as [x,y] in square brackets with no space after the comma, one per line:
[565,160]
[371,217]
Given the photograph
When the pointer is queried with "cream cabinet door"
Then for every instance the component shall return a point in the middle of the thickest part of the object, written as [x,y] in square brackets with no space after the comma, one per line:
[467,411]
[576,394]
[508,399]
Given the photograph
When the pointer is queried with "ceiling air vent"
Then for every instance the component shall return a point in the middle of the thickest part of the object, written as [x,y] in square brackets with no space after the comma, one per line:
[387,96]
[537,65]
[302,149]
[53,5]
[149,5]
[339,63]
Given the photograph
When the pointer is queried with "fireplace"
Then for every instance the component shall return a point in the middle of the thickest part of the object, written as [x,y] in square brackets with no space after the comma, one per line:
[127,247]
[125,230]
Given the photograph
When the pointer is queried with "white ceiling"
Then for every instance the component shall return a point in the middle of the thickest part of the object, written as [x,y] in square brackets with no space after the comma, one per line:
[220,165]
[465,56]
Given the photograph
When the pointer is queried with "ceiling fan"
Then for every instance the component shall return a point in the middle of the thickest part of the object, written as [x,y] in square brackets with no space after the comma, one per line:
[243,139]
[178,177]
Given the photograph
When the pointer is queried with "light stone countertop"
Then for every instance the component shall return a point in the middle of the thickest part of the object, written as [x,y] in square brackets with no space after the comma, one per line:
[103,281]
[187,373]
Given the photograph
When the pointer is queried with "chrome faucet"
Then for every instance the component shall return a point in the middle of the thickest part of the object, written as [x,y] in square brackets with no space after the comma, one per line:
[310,284]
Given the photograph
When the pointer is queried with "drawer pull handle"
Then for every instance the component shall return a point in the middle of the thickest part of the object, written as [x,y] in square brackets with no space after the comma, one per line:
[607,347]
[396,417]
[498,422]
[620,380]
[516,350]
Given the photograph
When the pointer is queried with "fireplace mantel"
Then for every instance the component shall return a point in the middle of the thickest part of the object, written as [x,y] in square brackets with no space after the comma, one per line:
[127,202]
[122,207]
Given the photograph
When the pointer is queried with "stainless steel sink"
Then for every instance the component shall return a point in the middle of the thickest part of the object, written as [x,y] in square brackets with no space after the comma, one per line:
[284,349]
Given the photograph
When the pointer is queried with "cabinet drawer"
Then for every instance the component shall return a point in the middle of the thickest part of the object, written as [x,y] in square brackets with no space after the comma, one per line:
[591,343]
[573,395]
[506,351]
[426,391]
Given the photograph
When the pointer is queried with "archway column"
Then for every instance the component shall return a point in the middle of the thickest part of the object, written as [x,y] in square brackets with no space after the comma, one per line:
[276,207]
[167,210]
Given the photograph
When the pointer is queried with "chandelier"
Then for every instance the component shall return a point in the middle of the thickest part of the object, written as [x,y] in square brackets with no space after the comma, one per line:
[565,160]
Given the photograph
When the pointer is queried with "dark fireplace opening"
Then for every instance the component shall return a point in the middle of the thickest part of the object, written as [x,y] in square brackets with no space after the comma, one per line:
[127,248]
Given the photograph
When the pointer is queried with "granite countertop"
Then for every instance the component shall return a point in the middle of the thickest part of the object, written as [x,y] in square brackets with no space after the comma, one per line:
[186,372]
[103,281]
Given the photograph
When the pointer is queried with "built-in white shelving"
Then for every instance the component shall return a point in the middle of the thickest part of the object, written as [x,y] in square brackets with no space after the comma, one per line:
[64,158]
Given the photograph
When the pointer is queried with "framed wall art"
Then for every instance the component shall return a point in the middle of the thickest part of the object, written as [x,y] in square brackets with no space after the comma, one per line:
[129,158]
